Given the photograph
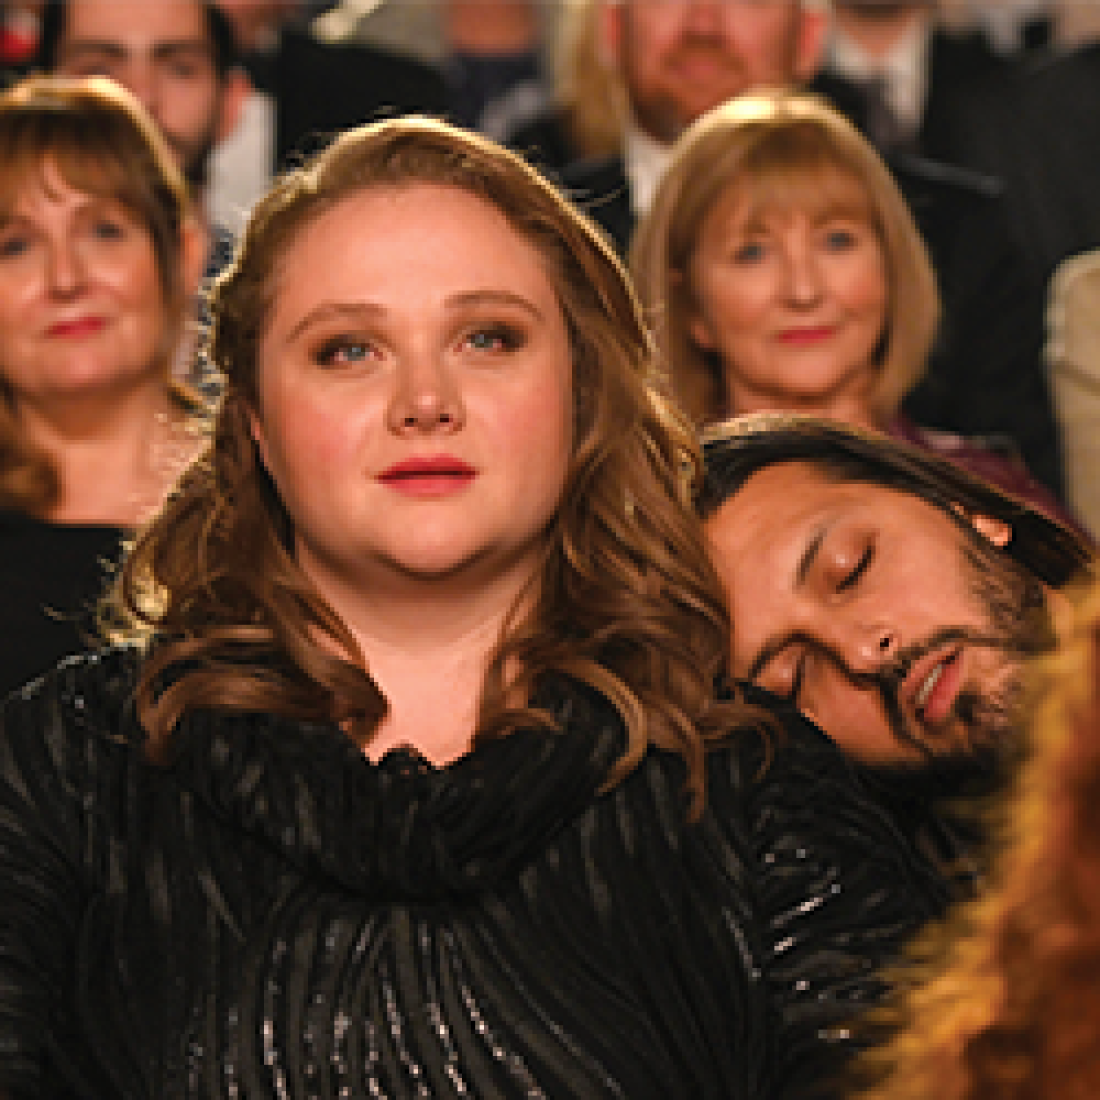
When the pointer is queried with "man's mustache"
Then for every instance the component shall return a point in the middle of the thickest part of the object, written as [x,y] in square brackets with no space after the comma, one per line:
[887,680]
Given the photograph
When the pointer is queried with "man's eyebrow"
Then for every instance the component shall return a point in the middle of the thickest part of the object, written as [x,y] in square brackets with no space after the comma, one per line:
[775,645]
[96,47]
[91,47]
[809,555]
[191,47]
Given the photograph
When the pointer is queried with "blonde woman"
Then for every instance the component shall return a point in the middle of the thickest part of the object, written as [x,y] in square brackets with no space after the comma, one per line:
[783,271]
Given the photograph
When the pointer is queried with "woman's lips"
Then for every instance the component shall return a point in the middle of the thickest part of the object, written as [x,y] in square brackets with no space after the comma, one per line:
[428,477]
[801,336]
[78,326]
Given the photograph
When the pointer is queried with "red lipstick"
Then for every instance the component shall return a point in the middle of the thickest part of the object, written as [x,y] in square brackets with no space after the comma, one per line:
[428,475]
[78,326]
[803,336]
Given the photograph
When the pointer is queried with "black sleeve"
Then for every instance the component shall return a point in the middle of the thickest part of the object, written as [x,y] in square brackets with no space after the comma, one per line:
[841,890]
[41,897]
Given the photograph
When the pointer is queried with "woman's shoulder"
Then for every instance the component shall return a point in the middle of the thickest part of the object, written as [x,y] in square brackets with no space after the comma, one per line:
[88,696]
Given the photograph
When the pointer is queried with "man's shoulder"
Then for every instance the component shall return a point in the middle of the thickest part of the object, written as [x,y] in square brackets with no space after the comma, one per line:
[599,187]
[400,82]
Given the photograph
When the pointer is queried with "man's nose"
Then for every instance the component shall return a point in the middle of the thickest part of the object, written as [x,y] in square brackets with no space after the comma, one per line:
[862,647]
[703,17]
[141,79]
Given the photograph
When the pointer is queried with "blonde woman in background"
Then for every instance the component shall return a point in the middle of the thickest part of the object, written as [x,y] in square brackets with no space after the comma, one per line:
[783,271]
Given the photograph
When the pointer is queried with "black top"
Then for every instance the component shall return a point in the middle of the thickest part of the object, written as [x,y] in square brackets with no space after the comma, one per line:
[51,576]
[271,914]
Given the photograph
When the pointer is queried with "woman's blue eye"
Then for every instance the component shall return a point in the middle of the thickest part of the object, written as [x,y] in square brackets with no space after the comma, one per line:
[840,239]
[749,253]
[498,338]
[341,349]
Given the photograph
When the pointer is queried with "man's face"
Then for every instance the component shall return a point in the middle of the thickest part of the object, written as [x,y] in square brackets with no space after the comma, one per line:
[679,58]
[162,52]
[888,622]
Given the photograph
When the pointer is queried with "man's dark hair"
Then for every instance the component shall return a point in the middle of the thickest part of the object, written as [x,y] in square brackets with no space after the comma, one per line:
[218,28]
[736,449]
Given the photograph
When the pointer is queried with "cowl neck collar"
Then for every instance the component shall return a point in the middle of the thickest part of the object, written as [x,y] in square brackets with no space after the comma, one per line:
[401,829]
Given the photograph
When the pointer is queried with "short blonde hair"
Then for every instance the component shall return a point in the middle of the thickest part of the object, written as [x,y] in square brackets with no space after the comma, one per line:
[778,149]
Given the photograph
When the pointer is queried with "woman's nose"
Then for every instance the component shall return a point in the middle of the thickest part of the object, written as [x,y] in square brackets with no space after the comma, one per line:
[66,269]
[803,277]
[425,398]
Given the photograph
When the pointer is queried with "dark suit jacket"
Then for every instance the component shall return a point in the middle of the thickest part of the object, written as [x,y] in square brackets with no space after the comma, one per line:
[1041,136]
[322,88]
[963,69]
[985,376]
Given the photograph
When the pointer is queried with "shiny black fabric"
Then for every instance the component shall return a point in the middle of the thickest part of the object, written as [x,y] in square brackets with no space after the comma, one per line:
[270,914]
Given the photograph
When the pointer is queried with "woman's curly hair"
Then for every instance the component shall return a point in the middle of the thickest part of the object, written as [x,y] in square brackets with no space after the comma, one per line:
[626,599]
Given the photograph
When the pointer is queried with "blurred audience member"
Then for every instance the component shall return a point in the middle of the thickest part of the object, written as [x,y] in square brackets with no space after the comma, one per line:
[1012,26]
[784,272]
[494,54]
[1006,1000]
[671,63]
[1073,359]
[99,259]
[584,120]
[178,57]
[18,37]
[1044,143]
[913,73]
[307,89]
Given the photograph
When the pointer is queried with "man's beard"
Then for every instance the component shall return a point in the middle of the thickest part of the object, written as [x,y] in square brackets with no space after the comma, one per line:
[1018,627]
[193,157]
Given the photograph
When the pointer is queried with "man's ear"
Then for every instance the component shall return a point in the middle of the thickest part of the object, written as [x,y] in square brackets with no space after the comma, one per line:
[236,88]
[996,531]
[194,245]
[810,39]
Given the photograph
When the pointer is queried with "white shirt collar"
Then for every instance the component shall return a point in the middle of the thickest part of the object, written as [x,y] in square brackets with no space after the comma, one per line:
[904,68]
[644,161]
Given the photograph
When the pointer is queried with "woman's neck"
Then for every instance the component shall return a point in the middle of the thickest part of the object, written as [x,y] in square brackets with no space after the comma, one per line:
[428,646]
[849,407]
[116,455]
